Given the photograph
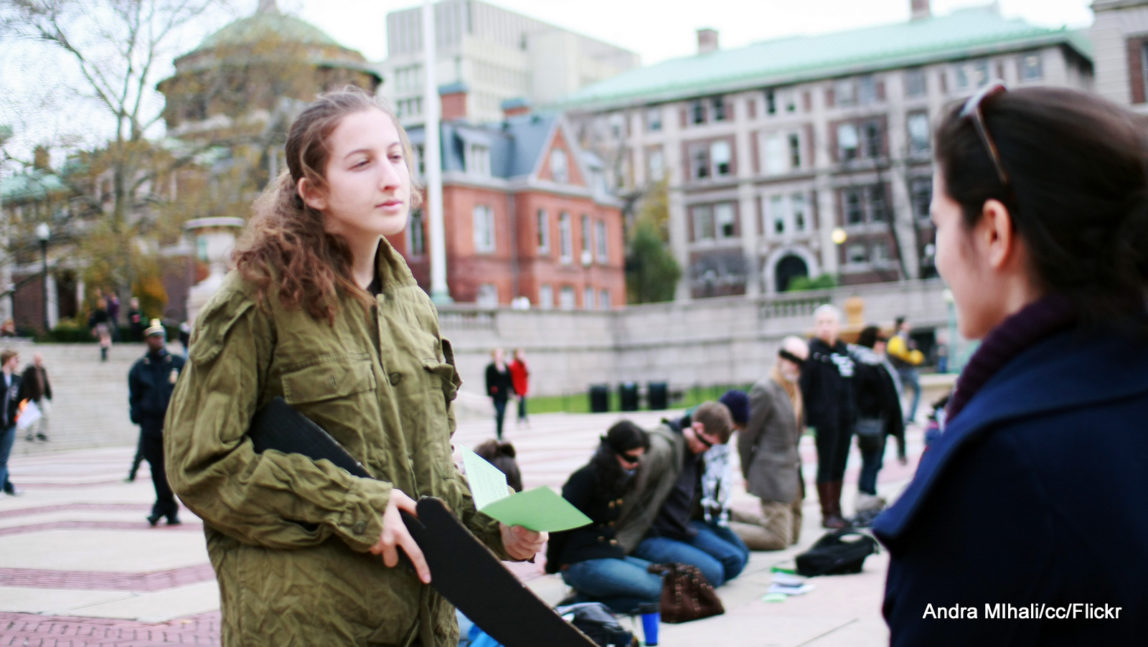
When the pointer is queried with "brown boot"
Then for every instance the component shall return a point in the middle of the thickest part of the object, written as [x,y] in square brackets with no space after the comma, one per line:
[831,507]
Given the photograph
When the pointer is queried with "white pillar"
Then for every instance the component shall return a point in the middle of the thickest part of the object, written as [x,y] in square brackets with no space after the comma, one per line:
[440,292]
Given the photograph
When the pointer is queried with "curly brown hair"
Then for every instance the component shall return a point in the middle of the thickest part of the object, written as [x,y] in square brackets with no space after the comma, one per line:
[285,240]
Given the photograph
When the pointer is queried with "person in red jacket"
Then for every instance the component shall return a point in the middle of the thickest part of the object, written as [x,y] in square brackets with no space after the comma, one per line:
[520,378]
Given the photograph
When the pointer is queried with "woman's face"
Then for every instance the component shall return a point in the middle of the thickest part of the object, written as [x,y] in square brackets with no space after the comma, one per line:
[629,458]
[962,265]
[368,188]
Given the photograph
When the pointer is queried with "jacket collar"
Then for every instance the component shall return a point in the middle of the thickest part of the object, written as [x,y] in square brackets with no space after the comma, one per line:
[1066,371]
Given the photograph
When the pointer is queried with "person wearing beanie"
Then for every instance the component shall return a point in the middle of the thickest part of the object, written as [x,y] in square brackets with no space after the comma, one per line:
[590,559]
[770,461]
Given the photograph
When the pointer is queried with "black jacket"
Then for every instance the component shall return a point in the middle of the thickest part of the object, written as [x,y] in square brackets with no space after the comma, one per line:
[36,387]
[498,383]
[150,383]
[595,541]
[827,387]
[10,397]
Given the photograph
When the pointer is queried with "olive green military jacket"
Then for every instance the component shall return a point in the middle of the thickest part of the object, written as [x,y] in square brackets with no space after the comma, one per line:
[288,537]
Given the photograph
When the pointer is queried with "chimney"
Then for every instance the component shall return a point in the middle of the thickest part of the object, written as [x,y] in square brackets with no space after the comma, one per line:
[920,10]
[453,101]
[707,40]
[514,107]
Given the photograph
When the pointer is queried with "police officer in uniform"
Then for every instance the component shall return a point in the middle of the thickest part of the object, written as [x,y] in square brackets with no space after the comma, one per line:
[150,383]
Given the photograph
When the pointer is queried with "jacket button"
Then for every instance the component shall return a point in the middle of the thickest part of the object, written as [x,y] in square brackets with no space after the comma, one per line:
[360,527]
[395,378]
[613,542]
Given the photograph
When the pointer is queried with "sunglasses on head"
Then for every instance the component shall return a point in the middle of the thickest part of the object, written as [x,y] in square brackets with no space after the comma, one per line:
[973,109]
[630,459]
[703,440]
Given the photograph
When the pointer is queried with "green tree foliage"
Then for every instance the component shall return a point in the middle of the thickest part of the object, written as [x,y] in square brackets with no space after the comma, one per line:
[652,273]
[823,282]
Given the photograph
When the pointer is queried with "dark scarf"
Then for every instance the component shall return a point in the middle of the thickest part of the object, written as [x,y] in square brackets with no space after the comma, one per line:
[1018,332]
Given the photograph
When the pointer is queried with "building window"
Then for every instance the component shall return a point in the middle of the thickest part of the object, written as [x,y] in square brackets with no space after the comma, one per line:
[848,144]
[773,151]
[565,244]
[483,229]
[854,208]
[915,83]
[777,212]
[794,150]
[770,102]
[700,162]
[600,239]
[720,155]
[558,171]
[545,296]
[845,92]
[797,206]
[920,194]
[657,164]
[878,207]
[724,222]
[604,300]
[617,122]
[1030,67]
[587,298]
[416,234]
[703,222]
[698,112]
[719,108]
[981,73]
[879,253]
[566,298]
[478,159]
[866,90]
[420,159]
[543,222]
[918,124]
[874,139]
[857,253]
[586,244]
[487,296]
[654,118]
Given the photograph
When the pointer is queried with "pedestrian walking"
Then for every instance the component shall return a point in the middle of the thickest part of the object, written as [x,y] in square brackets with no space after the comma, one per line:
[499,387]
[100,324]
[520,380]
[37,389]
[324,313]
[9,411]
[1024,523]
[150,384]
[905,357]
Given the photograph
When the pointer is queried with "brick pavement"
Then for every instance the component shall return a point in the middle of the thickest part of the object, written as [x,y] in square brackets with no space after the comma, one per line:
[79,566]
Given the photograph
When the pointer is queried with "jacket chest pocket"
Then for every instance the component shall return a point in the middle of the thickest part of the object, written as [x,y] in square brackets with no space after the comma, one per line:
[328,380]
[443,374]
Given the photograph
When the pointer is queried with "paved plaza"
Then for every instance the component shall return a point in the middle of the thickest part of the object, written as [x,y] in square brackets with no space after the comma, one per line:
[79,565]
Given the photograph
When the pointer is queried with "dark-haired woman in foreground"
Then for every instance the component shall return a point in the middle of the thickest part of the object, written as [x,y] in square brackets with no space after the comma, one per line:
[1025,523]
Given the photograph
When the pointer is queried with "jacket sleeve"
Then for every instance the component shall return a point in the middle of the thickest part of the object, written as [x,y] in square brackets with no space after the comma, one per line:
[760,414]
[134,393]
[897,348]
[271,499]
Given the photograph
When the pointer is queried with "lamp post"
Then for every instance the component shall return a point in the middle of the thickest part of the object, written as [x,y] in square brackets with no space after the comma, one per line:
[43,233]
[838,236]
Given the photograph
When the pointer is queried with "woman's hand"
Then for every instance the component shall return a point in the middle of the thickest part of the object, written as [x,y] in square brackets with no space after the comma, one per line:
[521,543]
[395,536]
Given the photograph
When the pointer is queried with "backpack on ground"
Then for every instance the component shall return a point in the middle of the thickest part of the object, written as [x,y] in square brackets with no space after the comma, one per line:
[836,553]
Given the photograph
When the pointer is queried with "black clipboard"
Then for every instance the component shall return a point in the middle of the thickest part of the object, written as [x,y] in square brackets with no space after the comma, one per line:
[463,570]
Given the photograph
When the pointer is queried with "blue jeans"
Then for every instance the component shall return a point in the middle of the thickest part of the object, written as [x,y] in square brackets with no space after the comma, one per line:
[872,460]
[621,584]
[7,438]
[499,416]
[910,379]
[718,559]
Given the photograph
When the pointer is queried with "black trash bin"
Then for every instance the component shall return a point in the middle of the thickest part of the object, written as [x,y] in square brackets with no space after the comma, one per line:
[658,396]
[599,398]
[628,396]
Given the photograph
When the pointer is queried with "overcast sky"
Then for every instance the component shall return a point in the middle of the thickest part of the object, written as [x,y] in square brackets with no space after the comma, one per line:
[644,26]
[657,32]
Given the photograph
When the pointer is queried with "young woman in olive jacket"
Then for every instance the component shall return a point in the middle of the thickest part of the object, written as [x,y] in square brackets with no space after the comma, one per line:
[323,312]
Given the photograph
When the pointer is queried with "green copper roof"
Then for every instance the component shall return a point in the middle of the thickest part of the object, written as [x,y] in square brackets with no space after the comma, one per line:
[969,32]
[267,24]
[31,185]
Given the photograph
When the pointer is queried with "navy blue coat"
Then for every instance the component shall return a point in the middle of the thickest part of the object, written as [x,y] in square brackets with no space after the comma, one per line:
[1032,501]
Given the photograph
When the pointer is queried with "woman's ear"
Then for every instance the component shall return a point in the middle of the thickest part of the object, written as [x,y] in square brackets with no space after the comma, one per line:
[312,195]
[998,235]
